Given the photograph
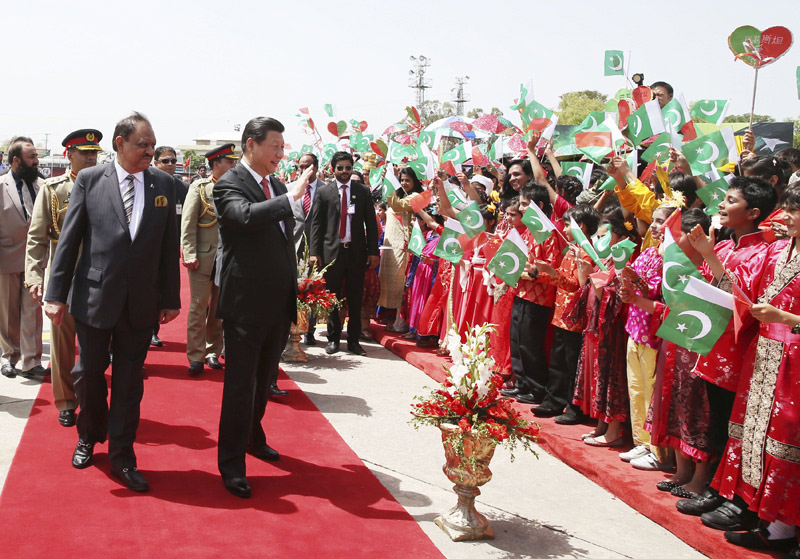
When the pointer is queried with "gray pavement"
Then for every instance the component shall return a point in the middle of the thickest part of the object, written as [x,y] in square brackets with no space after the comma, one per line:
[537,507]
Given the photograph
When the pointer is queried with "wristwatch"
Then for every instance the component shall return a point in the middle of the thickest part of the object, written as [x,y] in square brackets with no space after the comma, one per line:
[796,328]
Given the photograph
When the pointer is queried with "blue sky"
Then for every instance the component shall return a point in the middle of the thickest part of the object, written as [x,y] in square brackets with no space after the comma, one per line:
[201,67]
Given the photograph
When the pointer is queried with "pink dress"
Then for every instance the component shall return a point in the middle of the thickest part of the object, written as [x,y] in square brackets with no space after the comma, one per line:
[423,281]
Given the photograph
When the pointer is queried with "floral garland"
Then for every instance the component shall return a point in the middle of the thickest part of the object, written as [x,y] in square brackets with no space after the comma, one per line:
[470,398]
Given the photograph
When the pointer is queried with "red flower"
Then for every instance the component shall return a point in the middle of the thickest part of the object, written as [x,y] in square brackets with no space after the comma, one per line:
[465,425]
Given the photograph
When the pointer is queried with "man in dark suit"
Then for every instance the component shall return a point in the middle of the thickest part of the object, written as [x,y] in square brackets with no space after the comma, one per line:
[344,231]
[258,292]
[302,222]
[121,222]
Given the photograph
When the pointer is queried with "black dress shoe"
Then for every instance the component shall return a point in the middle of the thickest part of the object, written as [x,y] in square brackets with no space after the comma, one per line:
[730,517]
[195,368]
[213,363]
[706,502]
[37,371]
[156,341]
[510,392]
[132,479]
[8,371]
[545,411]
[570,417]
[355,348]
[265,452]
[275,391]
[67,418]
[238,486]
[82,457]
[309,340]
[758,538]
[529,398]
[331,348]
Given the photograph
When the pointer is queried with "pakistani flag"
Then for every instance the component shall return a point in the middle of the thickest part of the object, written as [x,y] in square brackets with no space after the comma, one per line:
[456,197]
[328,109]
[594,118]
[599,141]
[578,169]
[497,149]
[698,317]
[613,63]
[536,116]
[448,246]
[459,154]
[398,152]
[602,244]
[711,110]
[646,122]
[583,242]
[524,96]
[428,137]
[472,220]
[417,241]
[711,151]
[621,253]
[538,223]
[659,150]
[676,112]
[390,181]
[509,261]
[676,271]
[608,184]
[713,193]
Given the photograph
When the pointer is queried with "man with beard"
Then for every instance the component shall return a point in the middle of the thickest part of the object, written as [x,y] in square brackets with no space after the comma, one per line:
[20,316]
[49,211]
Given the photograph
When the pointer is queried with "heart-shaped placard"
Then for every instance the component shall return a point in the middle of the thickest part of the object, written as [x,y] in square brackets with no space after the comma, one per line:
[759,48]
[642,95]
[337,128]
[362,125]
[625,108]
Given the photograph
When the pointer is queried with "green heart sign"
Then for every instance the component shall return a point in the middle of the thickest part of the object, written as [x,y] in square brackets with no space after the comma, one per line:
[758,48]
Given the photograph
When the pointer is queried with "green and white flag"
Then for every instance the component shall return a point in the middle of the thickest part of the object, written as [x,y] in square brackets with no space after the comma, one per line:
[448,246]
[497,149]
[459,154]
[621,252]
[398,152]
[676,271]
[328,109]
[698,317]
[537,117]
[525,94]
[594,118]
[659,150]
[417,241]
[613,63]
[583,242]
[472,220]
[711,110]
[645,122]
[711,151]
[578,169]
[539,224]
[508,262]
[608,184]
[676,112]
[602,244]
[390,182]
[456,196]
[375,177]
[714,192]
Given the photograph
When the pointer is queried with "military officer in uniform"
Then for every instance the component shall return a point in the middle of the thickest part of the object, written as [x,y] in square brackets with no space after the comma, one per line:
[199,239]
[47,219]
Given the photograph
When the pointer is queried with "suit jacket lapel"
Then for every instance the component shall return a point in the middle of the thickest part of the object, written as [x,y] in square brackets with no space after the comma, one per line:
[111,187]
[11,192]
[149,203]
[250,184]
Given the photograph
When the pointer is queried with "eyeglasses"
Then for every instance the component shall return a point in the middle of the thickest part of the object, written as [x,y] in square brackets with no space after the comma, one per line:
[168,161]
[344,167]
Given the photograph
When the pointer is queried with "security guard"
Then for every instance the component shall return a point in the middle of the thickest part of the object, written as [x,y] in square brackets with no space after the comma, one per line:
[199,239]
[47,219]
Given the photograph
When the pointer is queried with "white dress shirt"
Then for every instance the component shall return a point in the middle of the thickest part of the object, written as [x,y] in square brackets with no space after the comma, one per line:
[347,235]
[138,195]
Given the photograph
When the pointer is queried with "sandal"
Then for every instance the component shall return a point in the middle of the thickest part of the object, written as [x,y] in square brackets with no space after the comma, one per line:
[683,493]
[666,485]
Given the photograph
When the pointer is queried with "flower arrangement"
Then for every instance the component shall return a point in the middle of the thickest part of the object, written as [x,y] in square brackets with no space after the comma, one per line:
[312,295]
[470,398]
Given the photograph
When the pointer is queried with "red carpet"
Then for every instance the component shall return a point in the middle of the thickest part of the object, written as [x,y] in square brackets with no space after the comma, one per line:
[319,500]
[602,466]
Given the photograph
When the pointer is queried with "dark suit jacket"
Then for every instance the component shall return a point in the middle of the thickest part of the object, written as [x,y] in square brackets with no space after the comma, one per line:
[325,219]
[114,271]
[302,222]
[258,276]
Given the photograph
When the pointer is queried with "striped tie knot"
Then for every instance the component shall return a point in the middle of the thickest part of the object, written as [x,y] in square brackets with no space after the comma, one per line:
[127,198]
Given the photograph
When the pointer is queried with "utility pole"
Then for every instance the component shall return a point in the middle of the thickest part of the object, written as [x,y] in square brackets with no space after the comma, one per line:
[417,79]
[460,99]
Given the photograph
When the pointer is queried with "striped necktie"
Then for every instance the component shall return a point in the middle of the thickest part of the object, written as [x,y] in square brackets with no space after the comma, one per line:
[127,198]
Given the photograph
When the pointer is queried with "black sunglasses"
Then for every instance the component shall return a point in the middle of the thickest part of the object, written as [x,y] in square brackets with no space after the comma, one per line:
[168,161]
[344,167]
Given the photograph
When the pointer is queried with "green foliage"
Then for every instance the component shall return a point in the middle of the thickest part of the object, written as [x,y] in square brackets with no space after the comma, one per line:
[746,118]
[433,110]
[576,105]
[195,162]
[796,123]
[478,112]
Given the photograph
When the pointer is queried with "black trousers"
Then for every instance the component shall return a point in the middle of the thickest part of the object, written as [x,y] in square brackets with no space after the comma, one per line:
[564,354]
[720,406]
[528,359]
[252,354]
[120,420]
[345,278]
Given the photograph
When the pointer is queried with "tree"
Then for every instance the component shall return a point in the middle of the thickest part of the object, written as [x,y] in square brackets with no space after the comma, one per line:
[746,118]
[431,111]
[195,160]
[796,123]
[477,112]
[576,105]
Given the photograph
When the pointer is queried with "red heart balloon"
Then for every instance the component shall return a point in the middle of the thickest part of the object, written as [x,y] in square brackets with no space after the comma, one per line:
[333,129]
[775,41]
[362,125]
[642,95]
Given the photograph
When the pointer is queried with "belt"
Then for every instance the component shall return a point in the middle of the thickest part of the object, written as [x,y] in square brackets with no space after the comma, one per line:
[345,245]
